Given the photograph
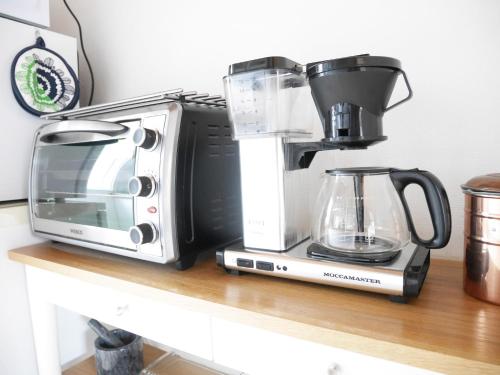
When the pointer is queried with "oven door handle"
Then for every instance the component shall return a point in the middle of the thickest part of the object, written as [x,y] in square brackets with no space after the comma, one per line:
[73,131]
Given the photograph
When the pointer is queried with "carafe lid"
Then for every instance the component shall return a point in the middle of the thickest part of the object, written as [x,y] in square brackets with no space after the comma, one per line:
[271,62]
[358,171]
[351,62]
[488,184]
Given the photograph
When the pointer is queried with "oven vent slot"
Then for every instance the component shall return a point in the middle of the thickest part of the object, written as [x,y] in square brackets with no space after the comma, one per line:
[215,140]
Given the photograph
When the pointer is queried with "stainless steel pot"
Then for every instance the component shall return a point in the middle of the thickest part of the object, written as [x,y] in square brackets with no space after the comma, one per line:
[482,237]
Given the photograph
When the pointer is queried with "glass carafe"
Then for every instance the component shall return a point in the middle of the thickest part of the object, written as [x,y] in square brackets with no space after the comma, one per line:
[361,214]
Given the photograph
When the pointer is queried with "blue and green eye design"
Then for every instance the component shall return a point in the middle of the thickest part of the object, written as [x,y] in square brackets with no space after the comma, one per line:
[44,84]
[42,81]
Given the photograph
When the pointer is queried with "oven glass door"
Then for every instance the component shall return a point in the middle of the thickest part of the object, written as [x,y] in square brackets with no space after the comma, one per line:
[85,184]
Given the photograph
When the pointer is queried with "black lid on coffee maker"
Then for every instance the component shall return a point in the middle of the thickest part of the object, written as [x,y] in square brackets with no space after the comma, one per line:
[270,62]
[352,62]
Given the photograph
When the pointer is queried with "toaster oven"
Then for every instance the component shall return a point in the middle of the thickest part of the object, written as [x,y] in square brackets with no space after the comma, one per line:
[154,178]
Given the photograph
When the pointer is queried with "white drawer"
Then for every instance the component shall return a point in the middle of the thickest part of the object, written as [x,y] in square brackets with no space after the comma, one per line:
[259,352]
[182,329]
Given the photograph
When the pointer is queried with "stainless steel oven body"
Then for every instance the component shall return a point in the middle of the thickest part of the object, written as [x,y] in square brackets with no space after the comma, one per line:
[154,178]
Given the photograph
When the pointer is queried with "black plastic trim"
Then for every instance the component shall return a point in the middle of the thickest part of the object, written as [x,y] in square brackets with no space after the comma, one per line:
[416,272]
[352,62]
[271,62]
[243,262]
[264,266]
[219,258]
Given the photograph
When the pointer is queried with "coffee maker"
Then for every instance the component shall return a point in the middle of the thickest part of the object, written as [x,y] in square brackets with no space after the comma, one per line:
[271,105]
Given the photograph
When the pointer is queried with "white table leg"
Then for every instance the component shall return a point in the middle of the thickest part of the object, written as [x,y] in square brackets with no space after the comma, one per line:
[43,318]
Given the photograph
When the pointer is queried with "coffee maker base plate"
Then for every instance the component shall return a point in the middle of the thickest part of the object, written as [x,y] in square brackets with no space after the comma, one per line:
[401,279]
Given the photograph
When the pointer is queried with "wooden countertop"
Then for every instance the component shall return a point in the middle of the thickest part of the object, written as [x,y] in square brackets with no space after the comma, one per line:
[444,329]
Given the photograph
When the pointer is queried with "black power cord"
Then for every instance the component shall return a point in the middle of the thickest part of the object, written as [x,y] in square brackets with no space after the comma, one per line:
[84,53]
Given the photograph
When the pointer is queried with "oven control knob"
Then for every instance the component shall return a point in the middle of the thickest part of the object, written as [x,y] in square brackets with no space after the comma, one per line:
[142,186]
[146,138]
[143,233]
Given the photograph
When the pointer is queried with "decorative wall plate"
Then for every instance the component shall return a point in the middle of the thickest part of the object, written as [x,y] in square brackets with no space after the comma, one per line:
[42,81]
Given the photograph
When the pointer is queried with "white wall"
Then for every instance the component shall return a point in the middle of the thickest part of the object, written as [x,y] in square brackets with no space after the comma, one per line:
[450,50]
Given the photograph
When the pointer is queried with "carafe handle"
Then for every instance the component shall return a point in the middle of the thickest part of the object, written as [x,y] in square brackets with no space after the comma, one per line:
[437,202]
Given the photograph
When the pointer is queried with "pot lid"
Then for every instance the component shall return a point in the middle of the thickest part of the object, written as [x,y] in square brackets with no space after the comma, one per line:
[486,184]
[358,171]
[351,62]
[271,62]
